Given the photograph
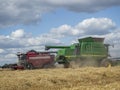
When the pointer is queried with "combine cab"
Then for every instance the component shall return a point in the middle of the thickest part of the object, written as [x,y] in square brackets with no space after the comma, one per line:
[33,59]
[88,52]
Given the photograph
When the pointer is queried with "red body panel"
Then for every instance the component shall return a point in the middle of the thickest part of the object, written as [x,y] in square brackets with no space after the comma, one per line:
[39,59]
[17,67]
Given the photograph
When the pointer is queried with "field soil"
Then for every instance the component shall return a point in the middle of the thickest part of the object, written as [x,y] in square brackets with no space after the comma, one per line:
[87,78]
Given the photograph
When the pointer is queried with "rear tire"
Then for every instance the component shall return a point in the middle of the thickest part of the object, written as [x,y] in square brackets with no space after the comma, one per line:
[29,66]
[73,64]
[105,63]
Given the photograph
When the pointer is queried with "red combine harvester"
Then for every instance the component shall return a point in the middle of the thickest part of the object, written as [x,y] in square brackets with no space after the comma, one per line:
[33,59]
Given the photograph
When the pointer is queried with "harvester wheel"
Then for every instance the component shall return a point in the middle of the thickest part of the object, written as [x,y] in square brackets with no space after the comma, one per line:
[62,57]
[74,64]
[105,63]
[29,66]
[63,60]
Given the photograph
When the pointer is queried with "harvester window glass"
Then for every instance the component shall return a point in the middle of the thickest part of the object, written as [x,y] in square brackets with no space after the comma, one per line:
[22,57]
[86,48]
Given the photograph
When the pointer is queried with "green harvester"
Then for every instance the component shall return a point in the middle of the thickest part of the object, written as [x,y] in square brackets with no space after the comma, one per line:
[90,51]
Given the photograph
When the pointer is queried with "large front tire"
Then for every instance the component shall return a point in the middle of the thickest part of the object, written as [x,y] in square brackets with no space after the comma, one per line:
[29,66]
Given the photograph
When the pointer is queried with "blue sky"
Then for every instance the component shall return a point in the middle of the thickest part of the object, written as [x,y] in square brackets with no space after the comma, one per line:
[28,25]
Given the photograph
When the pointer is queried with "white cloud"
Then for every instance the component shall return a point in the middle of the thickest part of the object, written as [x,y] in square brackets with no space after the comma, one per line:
[41,41]
[91,26]
[10,56]
[95,26]
[115,51]
[13,12]
[113,39]
[61,30]
[19,39]
[1,50]
[18,33]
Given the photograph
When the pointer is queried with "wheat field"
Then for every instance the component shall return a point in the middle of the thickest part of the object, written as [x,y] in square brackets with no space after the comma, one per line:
[87,78]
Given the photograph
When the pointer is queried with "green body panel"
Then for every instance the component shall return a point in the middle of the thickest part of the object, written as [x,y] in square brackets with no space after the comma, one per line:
[61,52]
[93,48]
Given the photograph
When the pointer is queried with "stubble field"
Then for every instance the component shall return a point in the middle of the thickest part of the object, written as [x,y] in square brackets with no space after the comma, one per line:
[88,78]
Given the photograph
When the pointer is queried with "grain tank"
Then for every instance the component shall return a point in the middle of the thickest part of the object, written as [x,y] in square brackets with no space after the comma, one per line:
[90,51]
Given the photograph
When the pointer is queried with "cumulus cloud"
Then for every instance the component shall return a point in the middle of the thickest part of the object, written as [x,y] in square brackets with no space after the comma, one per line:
[19,39]
[13,12]
[21,12]
[61,31]
[18,33]
[91,26]
[8,58]
[1,50]
[96,26]
[113,39]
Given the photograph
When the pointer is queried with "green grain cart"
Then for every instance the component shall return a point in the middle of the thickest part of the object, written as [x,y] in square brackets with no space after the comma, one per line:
[88,52]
